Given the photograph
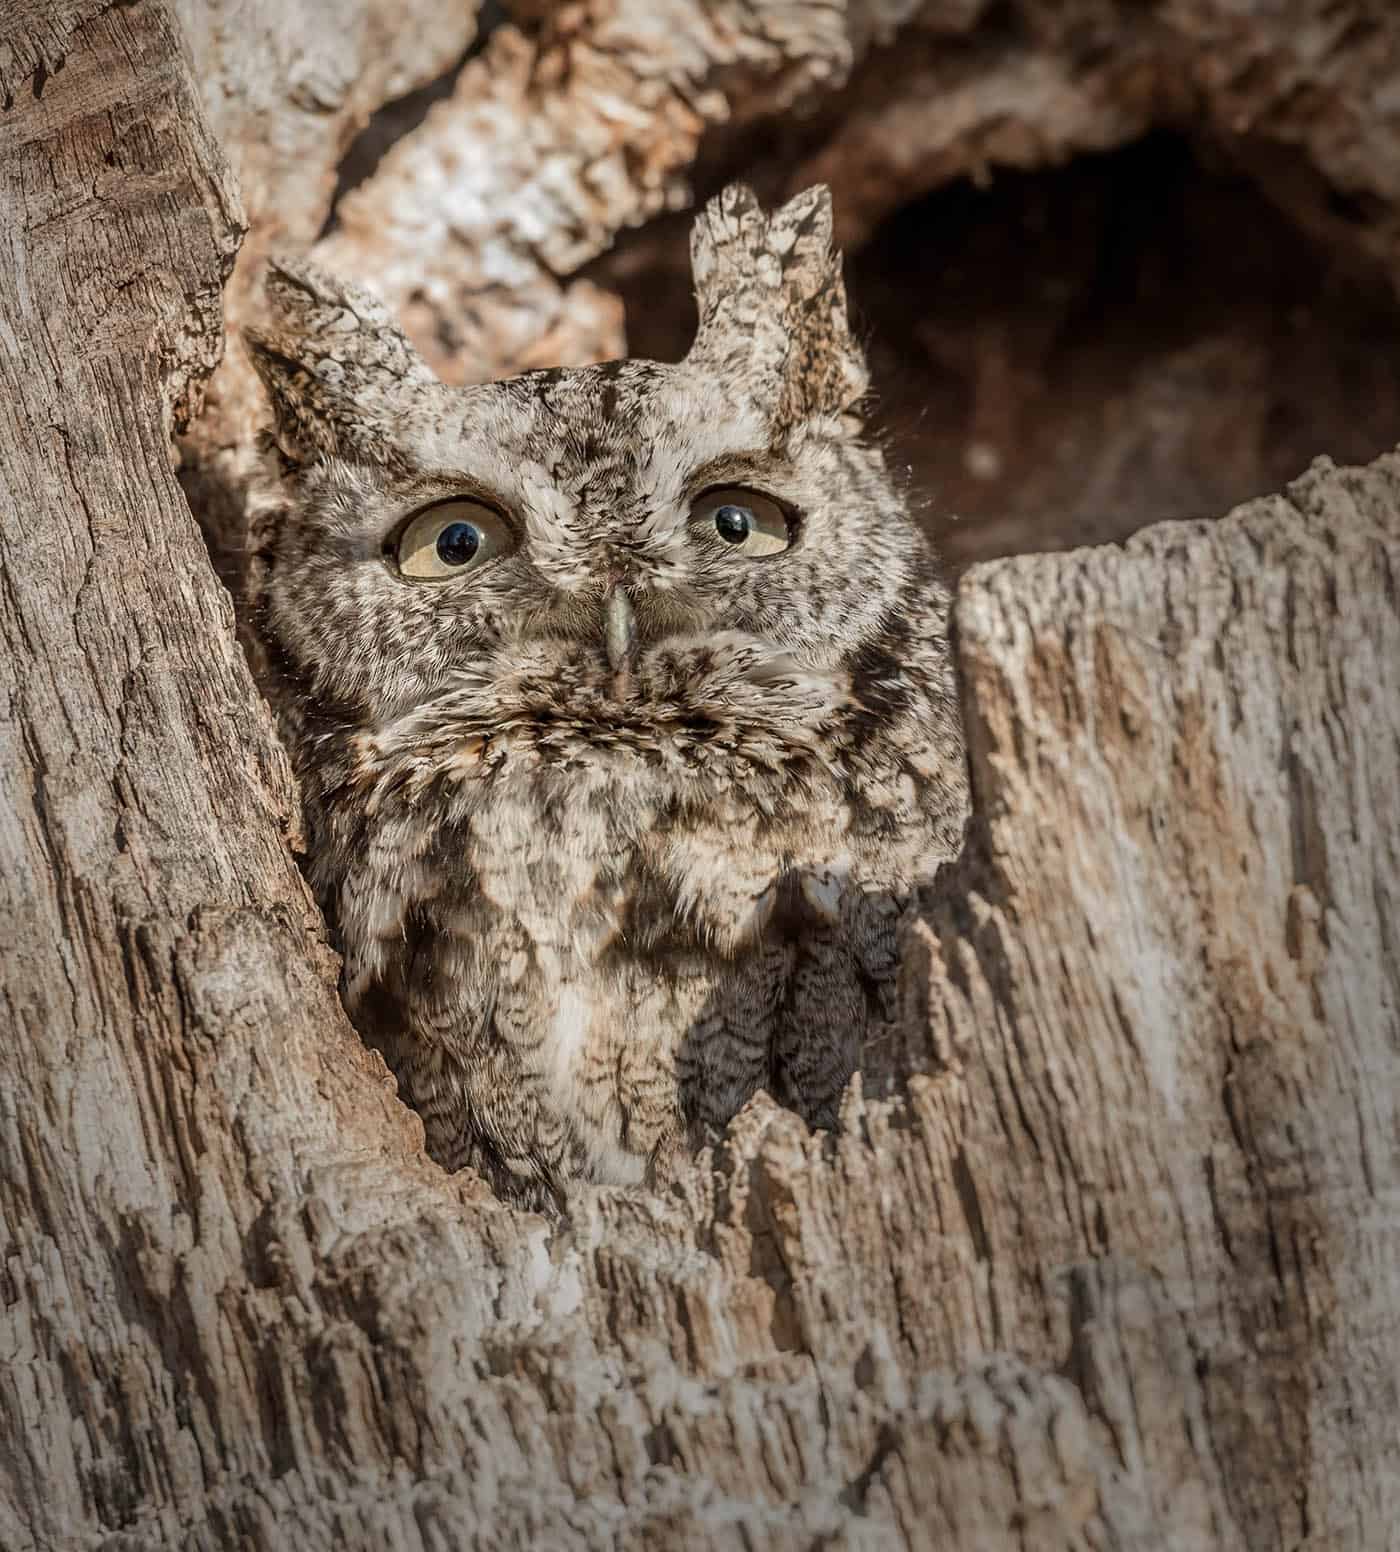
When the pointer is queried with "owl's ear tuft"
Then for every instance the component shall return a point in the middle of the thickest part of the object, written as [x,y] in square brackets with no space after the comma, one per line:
[772,303]
[330,356]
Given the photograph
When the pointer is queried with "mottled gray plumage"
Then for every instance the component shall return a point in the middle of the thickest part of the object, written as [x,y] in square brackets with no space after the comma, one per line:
[614,827]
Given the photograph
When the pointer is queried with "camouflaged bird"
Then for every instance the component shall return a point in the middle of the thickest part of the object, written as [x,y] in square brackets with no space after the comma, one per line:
[622,706]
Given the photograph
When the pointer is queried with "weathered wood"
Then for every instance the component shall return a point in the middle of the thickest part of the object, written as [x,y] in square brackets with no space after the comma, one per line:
[286,85]
[558,136]
[1163,999]
[1116,1267]
[160,956]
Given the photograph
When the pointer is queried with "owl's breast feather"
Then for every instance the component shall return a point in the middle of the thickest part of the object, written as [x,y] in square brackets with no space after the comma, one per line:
[731,711]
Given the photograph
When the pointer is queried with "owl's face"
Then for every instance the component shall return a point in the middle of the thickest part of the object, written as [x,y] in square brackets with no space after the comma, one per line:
[605,543]
[587,518]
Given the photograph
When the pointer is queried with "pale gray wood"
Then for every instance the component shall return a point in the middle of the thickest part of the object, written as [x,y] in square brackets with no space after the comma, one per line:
[1115,1268]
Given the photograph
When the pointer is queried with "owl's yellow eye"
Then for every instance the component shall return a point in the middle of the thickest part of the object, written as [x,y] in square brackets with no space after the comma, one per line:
[451,539]
[753,524]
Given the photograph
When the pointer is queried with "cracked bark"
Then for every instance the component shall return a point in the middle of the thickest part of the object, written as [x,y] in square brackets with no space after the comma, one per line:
[1104,1254]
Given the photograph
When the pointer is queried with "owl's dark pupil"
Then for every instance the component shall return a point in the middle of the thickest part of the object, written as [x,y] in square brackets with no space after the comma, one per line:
[457,543]
[732,523]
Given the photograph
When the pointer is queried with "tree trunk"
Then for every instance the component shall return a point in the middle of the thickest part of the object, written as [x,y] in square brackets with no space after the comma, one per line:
[1104,1254]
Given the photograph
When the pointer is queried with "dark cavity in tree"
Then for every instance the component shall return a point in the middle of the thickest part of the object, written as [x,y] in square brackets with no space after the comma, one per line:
[1067,355]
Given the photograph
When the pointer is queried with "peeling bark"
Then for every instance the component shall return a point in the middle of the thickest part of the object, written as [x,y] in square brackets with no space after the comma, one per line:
[1103,1253]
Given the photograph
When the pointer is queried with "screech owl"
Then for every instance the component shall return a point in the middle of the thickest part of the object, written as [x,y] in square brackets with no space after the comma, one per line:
[622,704]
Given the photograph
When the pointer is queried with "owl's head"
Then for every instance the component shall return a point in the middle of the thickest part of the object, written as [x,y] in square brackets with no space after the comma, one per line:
[592,544]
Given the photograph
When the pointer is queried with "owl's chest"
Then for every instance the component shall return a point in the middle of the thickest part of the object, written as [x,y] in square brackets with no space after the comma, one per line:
[600,871]
[588,931]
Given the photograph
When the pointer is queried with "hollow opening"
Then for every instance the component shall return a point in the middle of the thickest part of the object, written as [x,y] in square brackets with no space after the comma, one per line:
[1065,355]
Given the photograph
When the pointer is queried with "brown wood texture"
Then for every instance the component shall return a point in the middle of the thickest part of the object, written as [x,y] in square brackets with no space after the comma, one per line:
[1111,1261]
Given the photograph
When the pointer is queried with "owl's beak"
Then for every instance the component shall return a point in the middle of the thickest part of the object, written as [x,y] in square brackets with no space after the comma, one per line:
[620,637]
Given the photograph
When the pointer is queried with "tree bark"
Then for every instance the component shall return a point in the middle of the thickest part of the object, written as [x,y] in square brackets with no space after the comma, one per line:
[1104,1253]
